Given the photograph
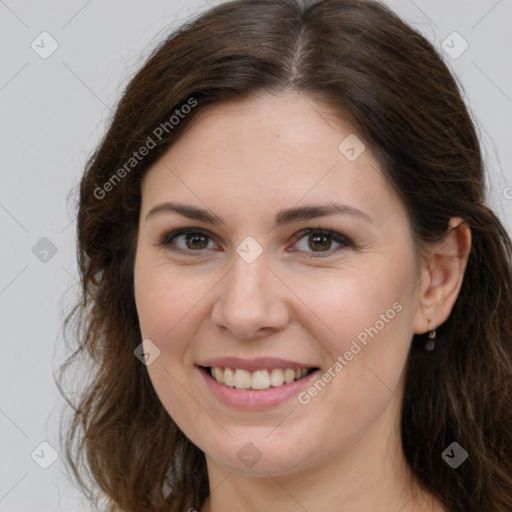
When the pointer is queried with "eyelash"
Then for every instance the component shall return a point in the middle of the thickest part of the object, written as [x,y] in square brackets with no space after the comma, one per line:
[166,240]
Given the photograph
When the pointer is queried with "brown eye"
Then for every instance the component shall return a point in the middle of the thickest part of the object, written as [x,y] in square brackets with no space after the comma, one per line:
[320,241]
[196,241]
[186,240]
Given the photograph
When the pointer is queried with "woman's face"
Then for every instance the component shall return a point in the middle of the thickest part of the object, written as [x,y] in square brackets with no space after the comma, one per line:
[252,295]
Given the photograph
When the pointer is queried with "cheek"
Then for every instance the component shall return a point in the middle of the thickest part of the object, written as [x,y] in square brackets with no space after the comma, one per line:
[363,319]
[166,300]
[167,307]
[346,304]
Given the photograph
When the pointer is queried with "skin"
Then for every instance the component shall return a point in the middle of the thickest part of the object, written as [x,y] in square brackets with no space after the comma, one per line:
[245,161]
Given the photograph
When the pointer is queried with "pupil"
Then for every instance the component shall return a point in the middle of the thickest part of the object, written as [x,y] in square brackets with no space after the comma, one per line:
[196,238]
[315,238]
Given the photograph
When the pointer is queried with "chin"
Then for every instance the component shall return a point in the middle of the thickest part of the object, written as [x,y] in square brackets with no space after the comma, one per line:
[253,453]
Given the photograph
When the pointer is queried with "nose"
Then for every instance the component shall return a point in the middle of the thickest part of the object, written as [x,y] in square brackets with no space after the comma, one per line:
[251,301]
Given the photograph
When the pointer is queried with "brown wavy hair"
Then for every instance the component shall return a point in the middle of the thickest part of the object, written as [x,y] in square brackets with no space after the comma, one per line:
[373,70]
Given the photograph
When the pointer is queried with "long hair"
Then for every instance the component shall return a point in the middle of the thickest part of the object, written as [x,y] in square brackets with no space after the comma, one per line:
[376,72]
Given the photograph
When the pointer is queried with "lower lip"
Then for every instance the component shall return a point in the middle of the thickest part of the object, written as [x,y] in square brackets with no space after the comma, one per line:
[255,399]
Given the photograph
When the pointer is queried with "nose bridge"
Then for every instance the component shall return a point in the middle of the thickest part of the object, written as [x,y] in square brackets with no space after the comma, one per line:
[250,298]
[246,282]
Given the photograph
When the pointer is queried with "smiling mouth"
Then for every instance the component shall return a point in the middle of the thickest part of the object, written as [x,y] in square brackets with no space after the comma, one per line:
[239,378]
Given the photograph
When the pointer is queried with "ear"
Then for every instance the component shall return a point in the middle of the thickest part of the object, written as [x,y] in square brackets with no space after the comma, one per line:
[442,273]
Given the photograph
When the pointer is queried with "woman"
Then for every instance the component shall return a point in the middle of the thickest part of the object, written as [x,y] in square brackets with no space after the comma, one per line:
[293,291]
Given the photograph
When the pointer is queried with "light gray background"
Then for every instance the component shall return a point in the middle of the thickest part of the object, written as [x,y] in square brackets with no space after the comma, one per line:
[54,111]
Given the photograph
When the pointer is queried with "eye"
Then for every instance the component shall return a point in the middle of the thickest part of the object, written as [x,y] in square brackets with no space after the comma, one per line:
[318,240]
[187,240]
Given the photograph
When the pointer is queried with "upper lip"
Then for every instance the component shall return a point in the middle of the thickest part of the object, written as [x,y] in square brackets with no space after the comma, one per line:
[259,363]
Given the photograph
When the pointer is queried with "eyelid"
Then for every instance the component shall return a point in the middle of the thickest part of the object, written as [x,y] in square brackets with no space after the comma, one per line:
[344,241]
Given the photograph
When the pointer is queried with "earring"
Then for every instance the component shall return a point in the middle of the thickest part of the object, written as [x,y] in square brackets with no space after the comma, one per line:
[431,343]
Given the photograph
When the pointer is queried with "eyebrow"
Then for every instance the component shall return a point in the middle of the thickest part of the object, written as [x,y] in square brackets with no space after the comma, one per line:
[283,217]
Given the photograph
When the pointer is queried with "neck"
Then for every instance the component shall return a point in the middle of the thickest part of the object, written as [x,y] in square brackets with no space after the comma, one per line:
[372,474]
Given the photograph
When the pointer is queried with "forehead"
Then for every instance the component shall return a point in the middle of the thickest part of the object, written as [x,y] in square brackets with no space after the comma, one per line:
[271,150]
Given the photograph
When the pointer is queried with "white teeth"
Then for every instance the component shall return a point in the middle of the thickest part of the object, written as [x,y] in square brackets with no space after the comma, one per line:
[229,377]
[259,379]
[276,377]
[242,379]
[218,374]
[289,375]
